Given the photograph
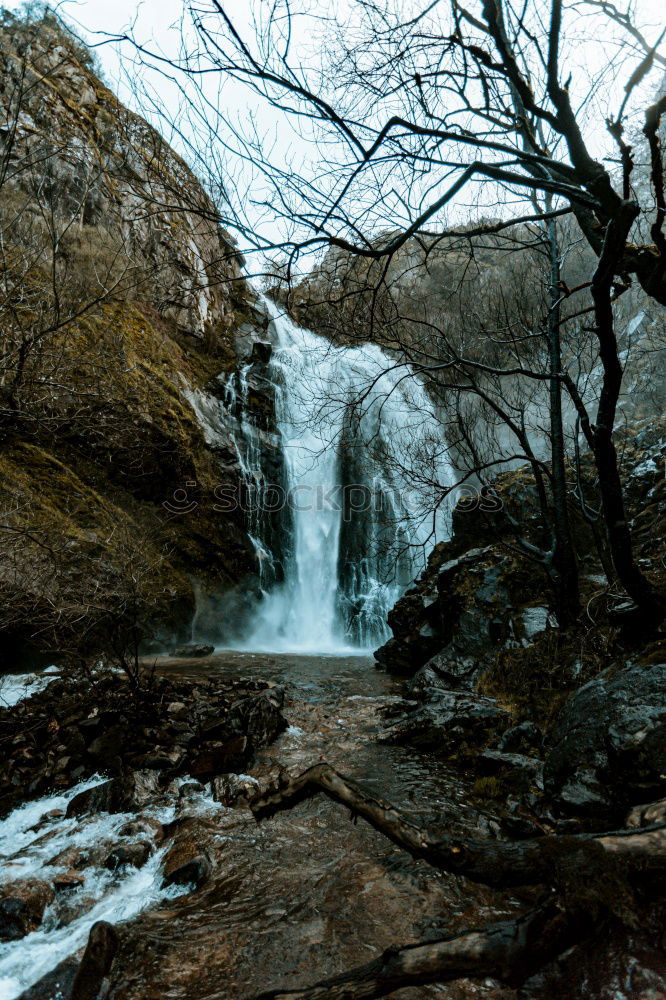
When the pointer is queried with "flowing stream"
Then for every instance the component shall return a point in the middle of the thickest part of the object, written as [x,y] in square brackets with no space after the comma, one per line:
[363,457]
[300,897]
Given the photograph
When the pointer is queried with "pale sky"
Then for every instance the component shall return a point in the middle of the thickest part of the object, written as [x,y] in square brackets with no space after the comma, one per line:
[156,23]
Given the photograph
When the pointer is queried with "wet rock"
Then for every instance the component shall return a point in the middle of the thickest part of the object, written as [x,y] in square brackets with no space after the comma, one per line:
[78,858]
[190,788]
[233,755]
[106,748]
[456,673]
[234,789]
[96,963]
[194,650]
[161,760]
[521,738]
[259,716]
[515,770]
[22,905]
[609,743]
[261,352]
[143,826]
[448,719]
[68,881]
[647,815]
[187,861]
[458,613]
[55,984]
[128,855]
[129,793]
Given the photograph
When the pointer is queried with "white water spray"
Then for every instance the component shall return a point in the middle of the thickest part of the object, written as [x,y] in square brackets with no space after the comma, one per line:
[363,452]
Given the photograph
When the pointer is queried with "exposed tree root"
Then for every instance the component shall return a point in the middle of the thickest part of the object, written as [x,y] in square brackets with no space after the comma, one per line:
[586,875]
[499,864]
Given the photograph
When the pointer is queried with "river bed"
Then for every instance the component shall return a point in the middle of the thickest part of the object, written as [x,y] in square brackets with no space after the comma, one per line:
[295,899]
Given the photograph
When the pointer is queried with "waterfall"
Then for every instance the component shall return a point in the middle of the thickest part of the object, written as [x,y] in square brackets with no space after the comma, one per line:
[362,452]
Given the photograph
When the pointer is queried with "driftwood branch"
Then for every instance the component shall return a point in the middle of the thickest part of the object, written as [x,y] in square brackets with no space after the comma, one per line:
[510,951]
[500,864]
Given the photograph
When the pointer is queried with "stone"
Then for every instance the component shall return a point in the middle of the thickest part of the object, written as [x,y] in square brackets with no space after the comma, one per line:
[194,650]
[143,826]
[128,855]
[187,862]
[190,788]
[78,858]
[233,755]
[521,738]
[446,720]
[22,906]
[177,708]
[535,620]
[106,748]
[55,984]
[458,673]
[609,743]
[101,949]
[234,789]
[261,352]
[647,815]
[259,716]
[129,793]
[67,881]
[515,770]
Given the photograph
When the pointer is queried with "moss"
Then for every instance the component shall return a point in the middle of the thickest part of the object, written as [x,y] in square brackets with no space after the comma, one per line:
[488,788]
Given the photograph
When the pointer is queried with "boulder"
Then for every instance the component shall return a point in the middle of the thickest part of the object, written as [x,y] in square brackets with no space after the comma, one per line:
[516,770]
[128,855]
[455,618]
[521,738]
[448,719]
[609,743]
[127,793]
[22,905]
[55,984]
[454,672]
[194,650]
[221,758]
[261,352]
[143,826]
[647,814]
[234,789]
[91,982]
[259,716]
[68,881]
[187,861]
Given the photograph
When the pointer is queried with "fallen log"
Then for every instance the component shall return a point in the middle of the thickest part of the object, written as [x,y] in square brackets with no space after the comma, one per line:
[547,860]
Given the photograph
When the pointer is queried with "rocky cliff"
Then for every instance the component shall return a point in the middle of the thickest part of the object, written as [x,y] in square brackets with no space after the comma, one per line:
[124,313]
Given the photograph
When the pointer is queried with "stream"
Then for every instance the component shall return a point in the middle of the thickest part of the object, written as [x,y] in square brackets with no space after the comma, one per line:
[303,896]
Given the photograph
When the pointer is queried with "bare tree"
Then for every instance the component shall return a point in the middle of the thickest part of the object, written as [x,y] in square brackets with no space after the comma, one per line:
[415,108]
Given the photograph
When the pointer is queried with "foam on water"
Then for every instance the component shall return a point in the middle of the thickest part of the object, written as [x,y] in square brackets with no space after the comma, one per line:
[16,687]
[26,848]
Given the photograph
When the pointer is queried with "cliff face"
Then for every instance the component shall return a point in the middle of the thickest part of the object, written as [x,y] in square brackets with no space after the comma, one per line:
[121,302]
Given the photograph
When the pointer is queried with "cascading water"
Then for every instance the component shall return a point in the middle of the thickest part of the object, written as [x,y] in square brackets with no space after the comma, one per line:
[363,455]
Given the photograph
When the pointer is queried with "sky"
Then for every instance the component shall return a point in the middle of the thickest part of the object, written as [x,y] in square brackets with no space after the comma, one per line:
[156,23]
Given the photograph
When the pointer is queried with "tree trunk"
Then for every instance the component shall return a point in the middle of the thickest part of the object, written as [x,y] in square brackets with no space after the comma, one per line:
[564,558]
[610,484]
